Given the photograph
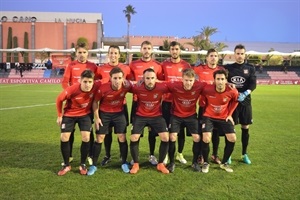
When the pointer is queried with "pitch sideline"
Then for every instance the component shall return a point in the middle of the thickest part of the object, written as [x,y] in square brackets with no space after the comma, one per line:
[31,106]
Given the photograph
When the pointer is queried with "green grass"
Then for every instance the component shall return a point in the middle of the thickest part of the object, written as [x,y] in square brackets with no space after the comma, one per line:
[30,155]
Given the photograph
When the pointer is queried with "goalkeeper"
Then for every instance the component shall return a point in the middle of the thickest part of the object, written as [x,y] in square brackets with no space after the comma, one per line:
[243,76]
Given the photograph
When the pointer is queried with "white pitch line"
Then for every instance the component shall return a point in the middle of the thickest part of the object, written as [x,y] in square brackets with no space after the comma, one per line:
[32,106]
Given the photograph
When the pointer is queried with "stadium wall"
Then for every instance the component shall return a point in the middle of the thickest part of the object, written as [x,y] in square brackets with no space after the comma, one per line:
[58,81]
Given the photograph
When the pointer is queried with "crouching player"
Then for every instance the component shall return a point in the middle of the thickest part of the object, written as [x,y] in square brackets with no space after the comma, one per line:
[108,107]
[78,100]
[221,101]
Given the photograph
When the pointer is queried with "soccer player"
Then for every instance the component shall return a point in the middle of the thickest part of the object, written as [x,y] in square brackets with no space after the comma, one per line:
[172,71]
[221,101]
[104,75]
[77,109]
[148,113]
[243,76]
[72,76]
[137,68]
[185,96]
[205,74]
[110,100]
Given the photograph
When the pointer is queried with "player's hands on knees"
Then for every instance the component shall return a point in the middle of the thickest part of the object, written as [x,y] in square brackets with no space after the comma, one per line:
[98,123]
[230,119]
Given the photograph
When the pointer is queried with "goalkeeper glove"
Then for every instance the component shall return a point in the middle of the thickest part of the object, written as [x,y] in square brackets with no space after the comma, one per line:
[243,95]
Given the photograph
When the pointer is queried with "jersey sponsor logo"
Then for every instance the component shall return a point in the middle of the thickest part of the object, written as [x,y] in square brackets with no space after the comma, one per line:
[84,105]
[116,102]
[238,79]
[217,109]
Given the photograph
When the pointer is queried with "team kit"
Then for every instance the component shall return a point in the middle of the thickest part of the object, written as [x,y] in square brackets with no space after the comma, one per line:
[170,101]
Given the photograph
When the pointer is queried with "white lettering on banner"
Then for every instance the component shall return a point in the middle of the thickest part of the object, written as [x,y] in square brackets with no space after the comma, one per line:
[278,82]
[30,81]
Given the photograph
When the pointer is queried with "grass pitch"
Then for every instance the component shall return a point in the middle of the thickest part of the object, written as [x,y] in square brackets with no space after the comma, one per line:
[30,155]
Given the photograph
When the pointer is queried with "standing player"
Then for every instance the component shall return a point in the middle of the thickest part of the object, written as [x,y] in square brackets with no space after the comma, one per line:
[77,109]
[205,74]
[172,70]
[243,76]
[110,100]
[104,73]
[72,76]
[221,101]
[185,96]
[148,113]
[137,68]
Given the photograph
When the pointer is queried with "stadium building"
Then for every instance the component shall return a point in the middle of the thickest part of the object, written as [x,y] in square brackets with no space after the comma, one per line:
[56,30]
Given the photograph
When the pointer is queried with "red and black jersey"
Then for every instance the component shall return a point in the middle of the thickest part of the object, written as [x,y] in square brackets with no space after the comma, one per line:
[219,105]
[111,101]
[205,74]
[137,68]
[78,103]
[184,101]
[173,72]
[103,71]
[73,71]
[149,101]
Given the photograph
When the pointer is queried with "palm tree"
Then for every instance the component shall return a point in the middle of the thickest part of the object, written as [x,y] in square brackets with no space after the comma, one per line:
[219,46]
[207,32]
[129,10]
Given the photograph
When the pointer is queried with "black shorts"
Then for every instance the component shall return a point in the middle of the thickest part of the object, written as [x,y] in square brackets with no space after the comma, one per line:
[68,123]
[157,124]
[191,124]
[133,111]
[166,111]
[209,124]
[243,114]
[116,120]
[125,108]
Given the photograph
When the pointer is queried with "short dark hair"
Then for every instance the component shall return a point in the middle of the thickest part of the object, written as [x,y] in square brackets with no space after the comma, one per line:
[146,42]
[87,74]
[115,70]
[239,46]
[174,43]
[148,70]
[209,51]
[221,71]
[82,45]
[114,47]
